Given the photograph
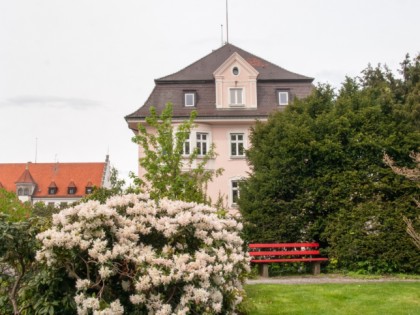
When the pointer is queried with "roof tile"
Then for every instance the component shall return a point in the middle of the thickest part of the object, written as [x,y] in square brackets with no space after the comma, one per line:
[47,174]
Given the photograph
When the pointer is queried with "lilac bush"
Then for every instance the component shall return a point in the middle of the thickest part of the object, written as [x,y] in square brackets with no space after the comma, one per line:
[135,255]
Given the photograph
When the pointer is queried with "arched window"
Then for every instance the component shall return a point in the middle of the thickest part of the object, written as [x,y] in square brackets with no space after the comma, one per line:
[20,192]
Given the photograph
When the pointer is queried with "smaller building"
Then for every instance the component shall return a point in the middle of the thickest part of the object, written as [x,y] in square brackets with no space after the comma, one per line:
[56,184]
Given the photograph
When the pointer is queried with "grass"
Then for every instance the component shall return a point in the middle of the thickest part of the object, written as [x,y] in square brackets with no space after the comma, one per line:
[361,299]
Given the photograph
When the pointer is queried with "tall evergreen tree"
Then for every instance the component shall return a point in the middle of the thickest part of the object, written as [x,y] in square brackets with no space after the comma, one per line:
[318,172]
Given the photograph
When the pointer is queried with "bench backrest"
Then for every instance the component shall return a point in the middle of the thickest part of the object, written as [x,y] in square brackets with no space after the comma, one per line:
[283,245]
[284,249]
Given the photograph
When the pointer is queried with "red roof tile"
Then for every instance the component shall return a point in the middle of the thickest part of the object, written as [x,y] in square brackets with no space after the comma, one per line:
[26,177]
[45,174]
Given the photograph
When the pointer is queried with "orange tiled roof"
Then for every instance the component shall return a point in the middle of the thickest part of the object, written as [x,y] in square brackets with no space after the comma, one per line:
[26,177]
[62,174]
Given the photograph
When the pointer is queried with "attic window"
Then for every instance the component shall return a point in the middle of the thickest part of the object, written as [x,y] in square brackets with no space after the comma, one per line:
[89,188]
[52,189]
[189,99]
[71,189]
[283,97]
[236,97]
[235,70]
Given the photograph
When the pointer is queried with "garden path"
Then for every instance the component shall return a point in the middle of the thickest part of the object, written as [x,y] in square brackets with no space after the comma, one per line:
[319,279]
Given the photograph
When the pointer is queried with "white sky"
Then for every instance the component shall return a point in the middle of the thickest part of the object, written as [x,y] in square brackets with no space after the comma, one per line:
[70,70]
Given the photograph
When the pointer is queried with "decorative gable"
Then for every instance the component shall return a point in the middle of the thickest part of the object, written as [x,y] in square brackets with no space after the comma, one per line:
[236,84]
[25,185]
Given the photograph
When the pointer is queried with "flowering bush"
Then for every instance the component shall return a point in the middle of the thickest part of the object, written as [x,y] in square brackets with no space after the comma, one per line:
[135,255]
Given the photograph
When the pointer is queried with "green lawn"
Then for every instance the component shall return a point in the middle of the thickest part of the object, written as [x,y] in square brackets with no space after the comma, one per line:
[361,299]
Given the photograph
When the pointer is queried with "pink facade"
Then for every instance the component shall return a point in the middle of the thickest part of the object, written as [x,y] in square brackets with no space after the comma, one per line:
[230,89]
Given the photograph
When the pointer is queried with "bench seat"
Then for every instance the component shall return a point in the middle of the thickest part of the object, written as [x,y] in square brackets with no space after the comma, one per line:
[264,254]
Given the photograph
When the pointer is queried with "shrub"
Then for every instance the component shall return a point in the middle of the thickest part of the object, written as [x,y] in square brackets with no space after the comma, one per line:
[135,255]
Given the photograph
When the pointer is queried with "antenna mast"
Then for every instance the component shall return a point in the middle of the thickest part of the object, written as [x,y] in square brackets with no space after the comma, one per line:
[221,33]
[227,23]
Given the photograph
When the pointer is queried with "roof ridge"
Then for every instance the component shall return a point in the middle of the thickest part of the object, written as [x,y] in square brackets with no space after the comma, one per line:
[272,63]
[203,68]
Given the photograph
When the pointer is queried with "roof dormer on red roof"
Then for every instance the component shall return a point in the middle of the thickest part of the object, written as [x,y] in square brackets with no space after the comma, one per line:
[53,175]
[26,177]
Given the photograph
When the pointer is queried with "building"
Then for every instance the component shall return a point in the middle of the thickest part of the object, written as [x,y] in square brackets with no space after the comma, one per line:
[55,184]
[230,89]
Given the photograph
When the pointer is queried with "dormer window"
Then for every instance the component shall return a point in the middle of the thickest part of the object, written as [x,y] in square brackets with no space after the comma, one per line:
[236,96]
[89,188]
[52,189]
[283,97]
[189,99]
[71,189]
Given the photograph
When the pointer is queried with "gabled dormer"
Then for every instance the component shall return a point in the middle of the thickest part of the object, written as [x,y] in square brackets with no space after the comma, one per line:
[52,188]
[236,84]
[89,188]
[71,188]
[25,185]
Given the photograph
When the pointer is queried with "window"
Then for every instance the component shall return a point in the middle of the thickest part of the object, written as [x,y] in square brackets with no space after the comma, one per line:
[235,71]
[202,139]
[89,190]
[20,192]
[189,99]
[235,192]
[186,146]
[283,97]
[71,190]
[236,96]
[26,192]
[237,144]
[52,189]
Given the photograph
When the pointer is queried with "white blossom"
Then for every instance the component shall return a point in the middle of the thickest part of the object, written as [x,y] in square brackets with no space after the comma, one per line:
[115,239]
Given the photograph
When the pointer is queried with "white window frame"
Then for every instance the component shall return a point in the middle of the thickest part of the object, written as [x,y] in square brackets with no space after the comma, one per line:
[233,96]
[235,144]
[202,144]
[189,94]
[234,190]
[185,145]
[279,97]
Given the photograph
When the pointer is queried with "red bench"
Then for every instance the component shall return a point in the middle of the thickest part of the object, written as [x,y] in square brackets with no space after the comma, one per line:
[264,254]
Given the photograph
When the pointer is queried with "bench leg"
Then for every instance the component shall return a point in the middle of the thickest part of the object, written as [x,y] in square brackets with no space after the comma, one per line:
[316,268]
[263,270]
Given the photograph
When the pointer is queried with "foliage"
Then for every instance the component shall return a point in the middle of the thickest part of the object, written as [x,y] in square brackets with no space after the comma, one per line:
[17,253]
[12,206]
[17,250]
[391,298]
[414,175]
[168,172]
[318,172]
[138,256]
[102,194]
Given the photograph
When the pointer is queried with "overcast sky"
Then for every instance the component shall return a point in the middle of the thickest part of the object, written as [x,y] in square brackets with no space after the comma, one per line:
[70,70]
